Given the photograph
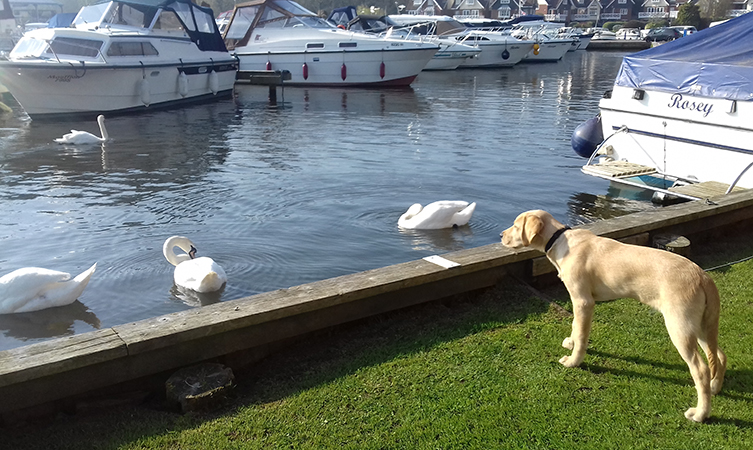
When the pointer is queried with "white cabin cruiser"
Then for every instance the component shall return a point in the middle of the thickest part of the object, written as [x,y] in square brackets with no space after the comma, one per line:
[497,49]
[679,119]
[550,44]
[118,56]
[282,35]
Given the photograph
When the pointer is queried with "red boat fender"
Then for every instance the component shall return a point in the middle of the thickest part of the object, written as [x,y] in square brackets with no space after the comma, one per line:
[382,70]
[343,72]
[269,65]
[305,71]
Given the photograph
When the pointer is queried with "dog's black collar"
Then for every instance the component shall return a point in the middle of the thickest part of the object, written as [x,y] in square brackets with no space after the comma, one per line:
[554,237]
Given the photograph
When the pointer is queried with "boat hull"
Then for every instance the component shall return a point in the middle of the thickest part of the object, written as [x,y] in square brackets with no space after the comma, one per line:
[51,89]
[387,67]
[493,54]
[549,51]
[684,137]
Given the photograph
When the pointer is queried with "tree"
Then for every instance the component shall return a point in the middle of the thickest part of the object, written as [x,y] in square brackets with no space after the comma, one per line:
[689,14]
[715,9]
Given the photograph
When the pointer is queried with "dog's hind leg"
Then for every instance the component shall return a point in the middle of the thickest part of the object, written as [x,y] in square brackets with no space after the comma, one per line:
[686,343]
[721,367]
[583,311]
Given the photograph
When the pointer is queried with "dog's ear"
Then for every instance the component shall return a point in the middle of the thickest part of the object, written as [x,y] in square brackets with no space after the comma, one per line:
[532,226]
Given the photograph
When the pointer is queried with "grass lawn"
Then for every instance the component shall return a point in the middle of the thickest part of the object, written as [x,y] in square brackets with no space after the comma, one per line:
[477,372]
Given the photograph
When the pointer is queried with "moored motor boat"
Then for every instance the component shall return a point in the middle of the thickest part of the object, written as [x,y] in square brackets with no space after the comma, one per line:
[679,118]
[497,49]
[282,35]
[118,56]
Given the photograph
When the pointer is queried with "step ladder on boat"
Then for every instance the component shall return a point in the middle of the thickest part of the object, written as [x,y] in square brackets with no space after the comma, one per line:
[626,173]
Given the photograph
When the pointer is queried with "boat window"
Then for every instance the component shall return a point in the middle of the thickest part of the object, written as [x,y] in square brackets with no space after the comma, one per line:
[294,8]
[204,22]
[124,14]
[184,12]
[29,47]
[318,45]
[240,22]
[348,44]
[167,20]
[76,47]
[132,49]
[271,18]
[90,14]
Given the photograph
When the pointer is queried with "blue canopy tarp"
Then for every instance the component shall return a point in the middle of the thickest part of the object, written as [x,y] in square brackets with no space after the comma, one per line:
[715,62]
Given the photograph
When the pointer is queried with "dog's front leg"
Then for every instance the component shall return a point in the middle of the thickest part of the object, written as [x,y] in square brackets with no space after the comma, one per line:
[583,310]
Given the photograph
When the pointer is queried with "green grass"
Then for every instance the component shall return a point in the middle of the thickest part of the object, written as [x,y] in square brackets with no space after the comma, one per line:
[477,372]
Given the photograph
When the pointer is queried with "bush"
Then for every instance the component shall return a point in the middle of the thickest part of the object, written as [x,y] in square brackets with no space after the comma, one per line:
[612,25]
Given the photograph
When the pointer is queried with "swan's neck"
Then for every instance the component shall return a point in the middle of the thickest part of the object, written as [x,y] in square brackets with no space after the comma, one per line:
[102,129]
[184,244]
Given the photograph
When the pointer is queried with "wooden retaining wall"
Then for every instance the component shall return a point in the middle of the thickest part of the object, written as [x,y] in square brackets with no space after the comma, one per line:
[63,368]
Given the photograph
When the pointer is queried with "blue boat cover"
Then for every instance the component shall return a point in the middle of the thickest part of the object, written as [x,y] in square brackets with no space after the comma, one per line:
[716,62]
[62,20]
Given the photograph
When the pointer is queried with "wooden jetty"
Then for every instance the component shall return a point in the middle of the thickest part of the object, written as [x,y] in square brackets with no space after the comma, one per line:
[57,373]
[271,78]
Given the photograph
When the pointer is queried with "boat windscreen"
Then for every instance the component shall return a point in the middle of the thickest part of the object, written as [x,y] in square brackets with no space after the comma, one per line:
[293,8]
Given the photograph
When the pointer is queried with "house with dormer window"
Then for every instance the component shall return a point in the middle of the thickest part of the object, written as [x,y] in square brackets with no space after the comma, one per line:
[619,10]
[426,7]
[654,9]
[468,8]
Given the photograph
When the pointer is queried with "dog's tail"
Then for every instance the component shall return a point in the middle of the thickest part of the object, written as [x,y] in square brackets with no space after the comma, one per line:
[711,324]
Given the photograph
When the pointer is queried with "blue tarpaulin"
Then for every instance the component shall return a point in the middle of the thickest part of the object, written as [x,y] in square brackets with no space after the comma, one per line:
[715,62]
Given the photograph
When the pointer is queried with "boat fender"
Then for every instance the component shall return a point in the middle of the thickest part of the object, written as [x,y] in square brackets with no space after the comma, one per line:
[269,65]
[382,70]
[183,84]
[146,97]
[305,71]
[214,82]
[536,48]
[505,54]
[587,136]
[343,72]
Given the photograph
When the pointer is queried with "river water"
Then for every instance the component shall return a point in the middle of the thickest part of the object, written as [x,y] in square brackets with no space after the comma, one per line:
[285,194]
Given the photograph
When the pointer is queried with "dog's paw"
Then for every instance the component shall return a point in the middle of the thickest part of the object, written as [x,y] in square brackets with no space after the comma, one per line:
[568,344]
[695,415]
[569,361]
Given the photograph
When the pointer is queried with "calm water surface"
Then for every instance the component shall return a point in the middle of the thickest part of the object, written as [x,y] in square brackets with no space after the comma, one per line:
[283,195]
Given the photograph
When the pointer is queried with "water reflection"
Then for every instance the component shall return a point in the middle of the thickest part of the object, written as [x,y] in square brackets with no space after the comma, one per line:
[193,298]
[443,240]
[47,323]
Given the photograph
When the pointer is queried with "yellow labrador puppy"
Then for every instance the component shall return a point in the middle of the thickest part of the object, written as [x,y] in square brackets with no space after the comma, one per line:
[595,268]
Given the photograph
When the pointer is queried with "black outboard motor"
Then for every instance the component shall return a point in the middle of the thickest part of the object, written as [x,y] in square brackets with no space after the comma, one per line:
[587,136]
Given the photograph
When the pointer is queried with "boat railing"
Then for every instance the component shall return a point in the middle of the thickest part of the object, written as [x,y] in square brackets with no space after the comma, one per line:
[734,183]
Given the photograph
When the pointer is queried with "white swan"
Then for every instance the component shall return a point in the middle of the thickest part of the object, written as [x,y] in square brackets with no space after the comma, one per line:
[197,274]
[76,137]
[441,214]
[31,289]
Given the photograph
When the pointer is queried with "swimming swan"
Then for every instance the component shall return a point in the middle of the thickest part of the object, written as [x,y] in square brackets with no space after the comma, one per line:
[197,274]
[32,288]
[76,137]
[441,214]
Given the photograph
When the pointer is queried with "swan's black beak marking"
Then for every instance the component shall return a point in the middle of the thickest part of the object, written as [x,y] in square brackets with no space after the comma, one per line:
[192,253]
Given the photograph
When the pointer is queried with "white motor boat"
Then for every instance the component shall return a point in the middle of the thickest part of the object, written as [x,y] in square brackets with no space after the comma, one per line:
[497,49]
[679,118]
[550,45]
[120,56]
[282,35]
[451,52]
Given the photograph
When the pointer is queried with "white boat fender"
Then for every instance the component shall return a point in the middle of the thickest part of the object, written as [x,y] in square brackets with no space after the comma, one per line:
[214,81]
[183,84]
[146,97]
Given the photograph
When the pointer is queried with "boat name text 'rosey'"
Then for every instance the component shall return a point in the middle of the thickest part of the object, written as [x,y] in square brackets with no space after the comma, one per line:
[676,101]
